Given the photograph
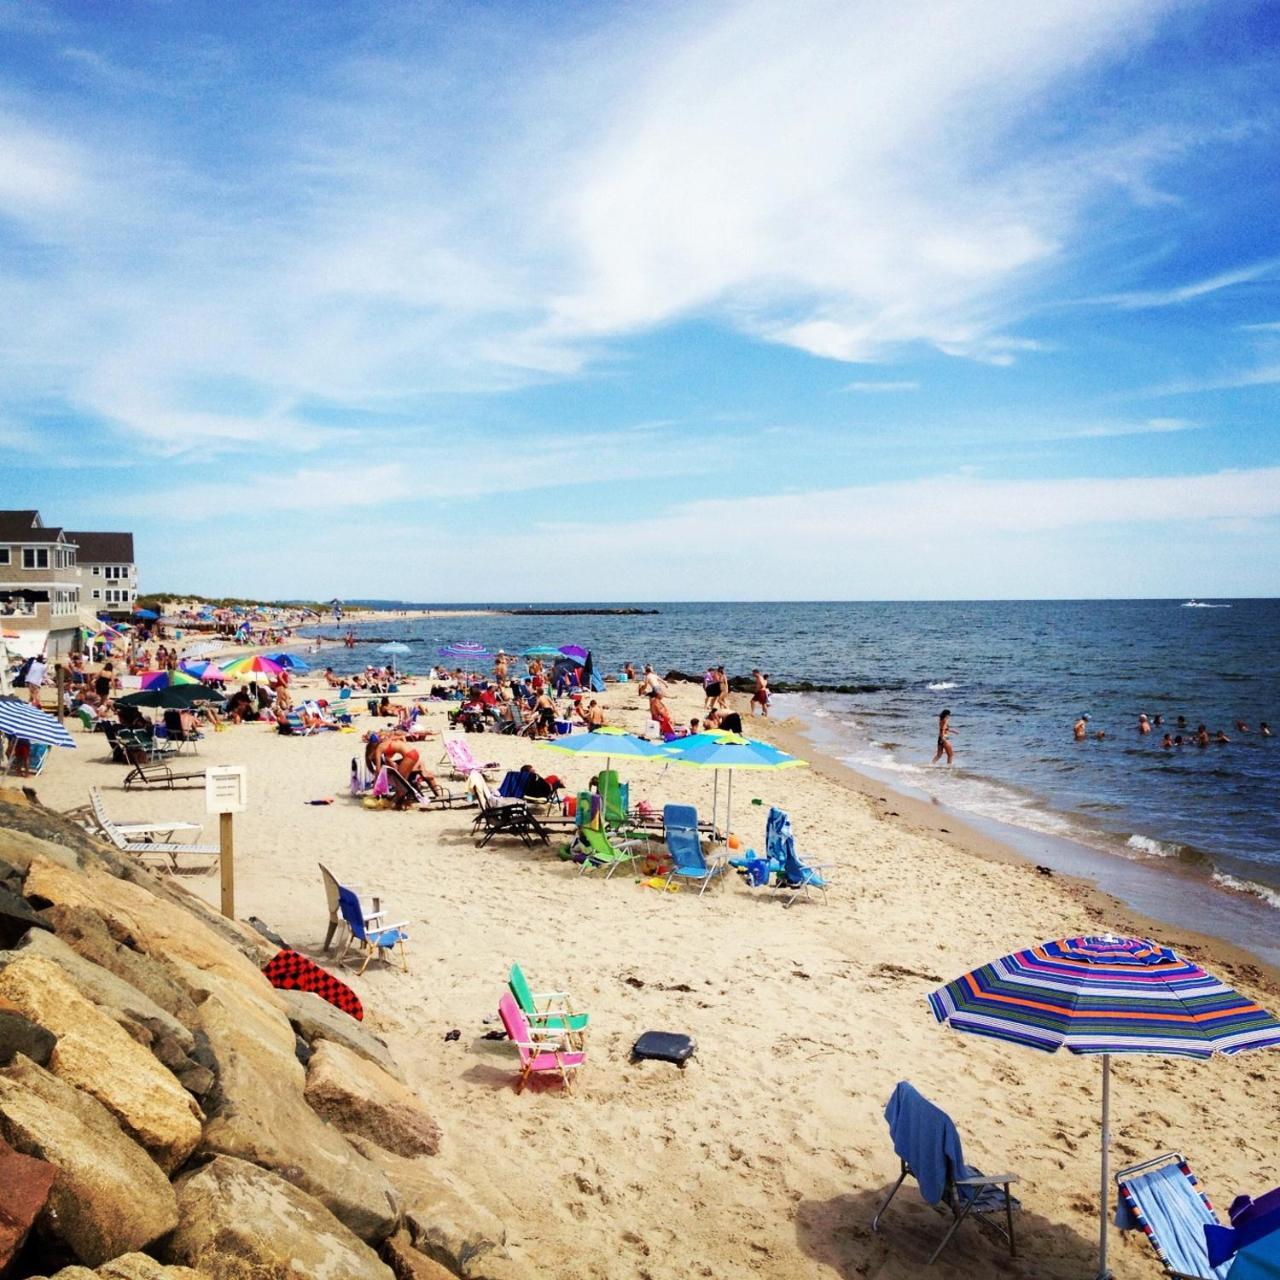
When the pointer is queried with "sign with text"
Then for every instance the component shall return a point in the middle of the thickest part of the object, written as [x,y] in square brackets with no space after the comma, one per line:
[225,789]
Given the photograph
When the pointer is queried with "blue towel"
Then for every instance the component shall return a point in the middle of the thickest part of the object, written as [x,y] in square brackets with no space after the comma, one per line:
[1177,1217]
[925,1137]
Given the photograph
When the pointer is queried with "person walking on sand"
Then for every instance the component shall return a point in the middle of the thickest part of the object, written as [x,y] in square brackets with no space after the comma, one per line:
[944,739]
[760,696]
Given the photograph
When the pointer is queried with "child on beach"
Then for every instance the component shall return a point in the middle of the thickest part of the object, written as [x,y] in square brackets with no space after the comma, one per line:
[944,739]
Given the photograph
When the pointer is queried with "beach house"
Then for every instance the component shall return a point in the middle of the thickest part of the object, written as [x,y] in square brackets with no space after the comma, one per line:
[108,572]
[39,579]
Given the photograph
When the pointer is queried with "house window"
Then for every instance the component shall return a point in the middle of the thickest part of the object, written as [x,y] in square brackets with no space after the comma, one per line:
[97,571]
[97,595]
[4,555]
[35,557]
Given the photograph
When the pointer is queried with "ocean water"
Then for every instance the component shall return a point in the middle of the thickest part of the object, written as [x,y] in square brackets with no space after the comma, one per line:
[1016,675]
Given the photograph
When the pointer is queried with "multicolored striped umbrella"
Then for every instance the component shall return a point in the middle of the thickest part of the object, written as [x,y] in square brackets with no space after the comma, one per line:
[166,679]
[1105,995]
[467,651]
[254,664]
[204,669]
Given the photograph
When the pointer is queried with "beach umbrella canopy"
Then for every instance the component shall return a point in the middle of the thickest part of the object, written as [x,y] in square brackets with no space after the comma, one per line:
[22,720]
[204,670]
[291,661]
[175,697]
[149,614]
[254,664]
[466,652]
[541,651]
[729,752]
[608,741]
[574,651]
[1105,995]
[393,646]
[166,679]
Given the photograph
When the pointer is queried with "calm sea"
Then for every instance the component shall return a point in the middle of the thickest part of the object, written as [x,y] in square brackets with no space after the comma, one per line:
[1016,675]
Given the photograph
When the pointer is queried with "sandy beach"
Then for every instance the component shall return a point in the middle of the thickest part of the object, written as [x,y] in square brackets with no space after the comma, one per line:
[768,1155]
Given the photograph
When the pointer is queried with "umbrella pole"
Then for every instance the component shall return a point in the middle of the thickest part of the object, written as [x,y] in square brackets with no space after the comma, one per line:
[1103,1273]
[715,802]
[728,810]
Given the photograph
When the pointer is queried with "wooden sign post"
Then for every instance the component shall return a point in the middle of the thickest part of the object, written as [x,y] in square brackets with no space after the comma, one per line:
[225,793]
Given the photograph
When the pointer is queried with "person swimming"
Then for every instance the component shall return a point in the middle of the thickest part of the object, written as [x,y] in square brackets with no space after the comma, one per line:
[1168,741]
[1264,729]
[1080,730]
[1144,725]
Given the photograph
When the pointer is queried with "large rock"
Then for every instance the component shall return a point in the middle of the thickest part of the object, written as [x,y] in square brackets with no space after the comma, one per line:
[161,928]
[24,1187]
[445,1219]
[408,1263]
[86,932]
[315,1019]
[359,1097]
[240,1222]
[19,848]
[19,1035]
[95,1055]
[257,1112]
[109,1196]
[113,995]
[16,918]
[129,1266]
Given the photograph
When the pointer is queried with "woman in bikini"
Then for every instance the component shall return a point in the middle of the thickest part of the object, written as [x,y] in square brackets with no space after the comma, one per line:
[944,739]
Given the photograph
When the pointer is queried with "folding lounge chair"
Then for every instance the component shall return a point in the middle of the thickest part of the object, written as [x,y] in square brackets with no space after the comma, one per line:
[540,1051]
[336,922]
[147,772]
[293,725]
[499,816]
[406,792]
[159,829]
[680,829]
[548,1010]
[458,752]
[1163,1198]
[367,930]
[36,760]
[599,850]
[928,1146]
[162,849]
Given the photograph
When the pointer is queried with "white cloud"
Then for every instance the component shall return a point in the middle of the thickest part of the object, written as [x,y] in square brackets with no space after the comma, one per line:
[882,388]
[1140,299]
[1149,426]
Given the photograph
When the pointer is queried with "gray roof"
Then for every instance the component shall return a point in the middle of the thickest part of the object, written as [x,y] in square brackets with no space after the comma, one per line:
[103,548]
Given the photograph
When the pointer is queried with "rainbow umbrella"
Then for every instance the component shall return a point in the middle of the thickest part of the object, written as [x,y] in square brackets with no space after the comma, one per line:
[1105,995]
[254,664]
[166,679]
[204,670]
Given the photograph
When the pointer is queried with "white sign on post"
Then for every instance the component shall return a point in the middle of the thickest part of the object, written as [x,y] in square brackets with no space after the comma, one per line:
[225,789]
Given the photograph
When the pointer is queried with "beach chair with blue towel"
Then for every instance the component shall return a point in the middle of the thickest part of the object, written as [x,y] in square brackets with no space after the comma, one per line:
[680,830]
[795,876]
[928,1145]
[1163,1199]
[368,932]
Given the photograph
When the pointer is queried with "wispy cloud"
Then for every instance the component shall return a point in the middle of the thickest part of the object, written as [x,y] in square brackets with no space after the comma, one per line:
[1149,426]
[881,388]
[1178,294]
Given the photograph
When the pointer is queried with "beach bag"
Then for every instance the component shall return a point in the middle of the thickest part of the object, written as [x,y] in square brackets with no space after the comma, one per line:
[665,1046]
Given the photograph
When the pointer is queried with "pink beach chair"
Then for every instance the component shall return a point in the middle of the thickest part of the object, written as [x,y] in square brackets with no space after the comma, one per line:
[464,763]
[541,1051]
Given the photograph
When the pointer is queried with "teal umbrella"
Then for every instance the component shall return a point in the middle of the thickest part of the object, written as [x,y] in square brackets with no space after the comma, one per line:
[607,742]
[542,651]
[728,752]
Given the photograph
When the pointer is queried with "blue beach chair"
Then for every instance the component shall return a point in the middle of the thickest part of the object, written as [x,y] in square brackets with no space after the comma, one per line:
[373,937]
[797,877]
[680,830]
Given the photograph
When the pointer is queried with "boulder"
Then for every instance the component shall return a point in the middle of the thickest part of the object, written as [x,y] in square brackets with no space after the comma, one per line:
[19,1035]
[113,995]
[241,1222]
[359,1097]
[138,1266]
[164,930]
[95,1055]
[18,848]
[109,1196]
[24,1188]
[409,1264]
[17,917]
[445,1219]
[86,932]
[316,1019]
[257,1113]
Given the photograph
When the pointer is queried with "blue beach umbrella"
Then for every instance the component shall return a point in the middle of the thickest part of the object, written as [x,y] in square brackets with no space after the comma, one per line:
[21,720]
[541,651]
[1105,995]
[291,661]
[149,614]
[607,742]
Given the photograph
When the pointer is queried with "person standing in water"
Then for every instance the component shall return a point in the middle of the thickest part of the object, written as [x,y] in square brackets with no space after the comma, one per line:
[944,739]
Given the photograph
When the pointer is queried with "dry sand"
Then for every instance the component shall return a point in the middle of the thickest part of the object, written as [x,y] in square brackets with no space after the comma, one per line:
[769,1154]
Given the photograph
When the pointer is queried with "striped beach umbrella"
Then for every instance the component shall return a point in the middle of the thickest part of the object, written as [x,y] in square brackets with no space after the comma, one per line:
[22,720]
[166,679]
[468,651]
[253,664]
[205,670]
[1105,995]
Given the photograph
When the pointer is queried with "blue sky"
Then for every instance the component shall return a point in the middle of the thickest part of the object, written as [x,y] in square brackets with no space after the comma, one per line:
[666,301]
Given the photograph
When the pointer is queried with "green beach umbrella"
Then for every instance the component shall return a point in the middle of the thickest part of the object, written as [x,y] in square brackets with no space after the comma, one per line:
[606,741]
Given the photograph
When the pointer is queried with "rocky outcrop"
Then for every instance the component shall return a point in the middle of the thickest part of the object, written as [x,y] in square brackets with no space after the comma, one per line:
[19,1035]
[24,1188]
[241,1222]
[95,1055]
[408,1264]
[129,1266]
[315,1019]
[109,1196]
[358,1097]
[16,918]
[258,1113]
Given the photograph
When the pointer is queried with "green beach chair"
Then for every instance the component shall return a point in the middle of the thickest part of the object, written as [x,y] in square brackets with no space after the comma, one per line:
[548,1010]
[602,850]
